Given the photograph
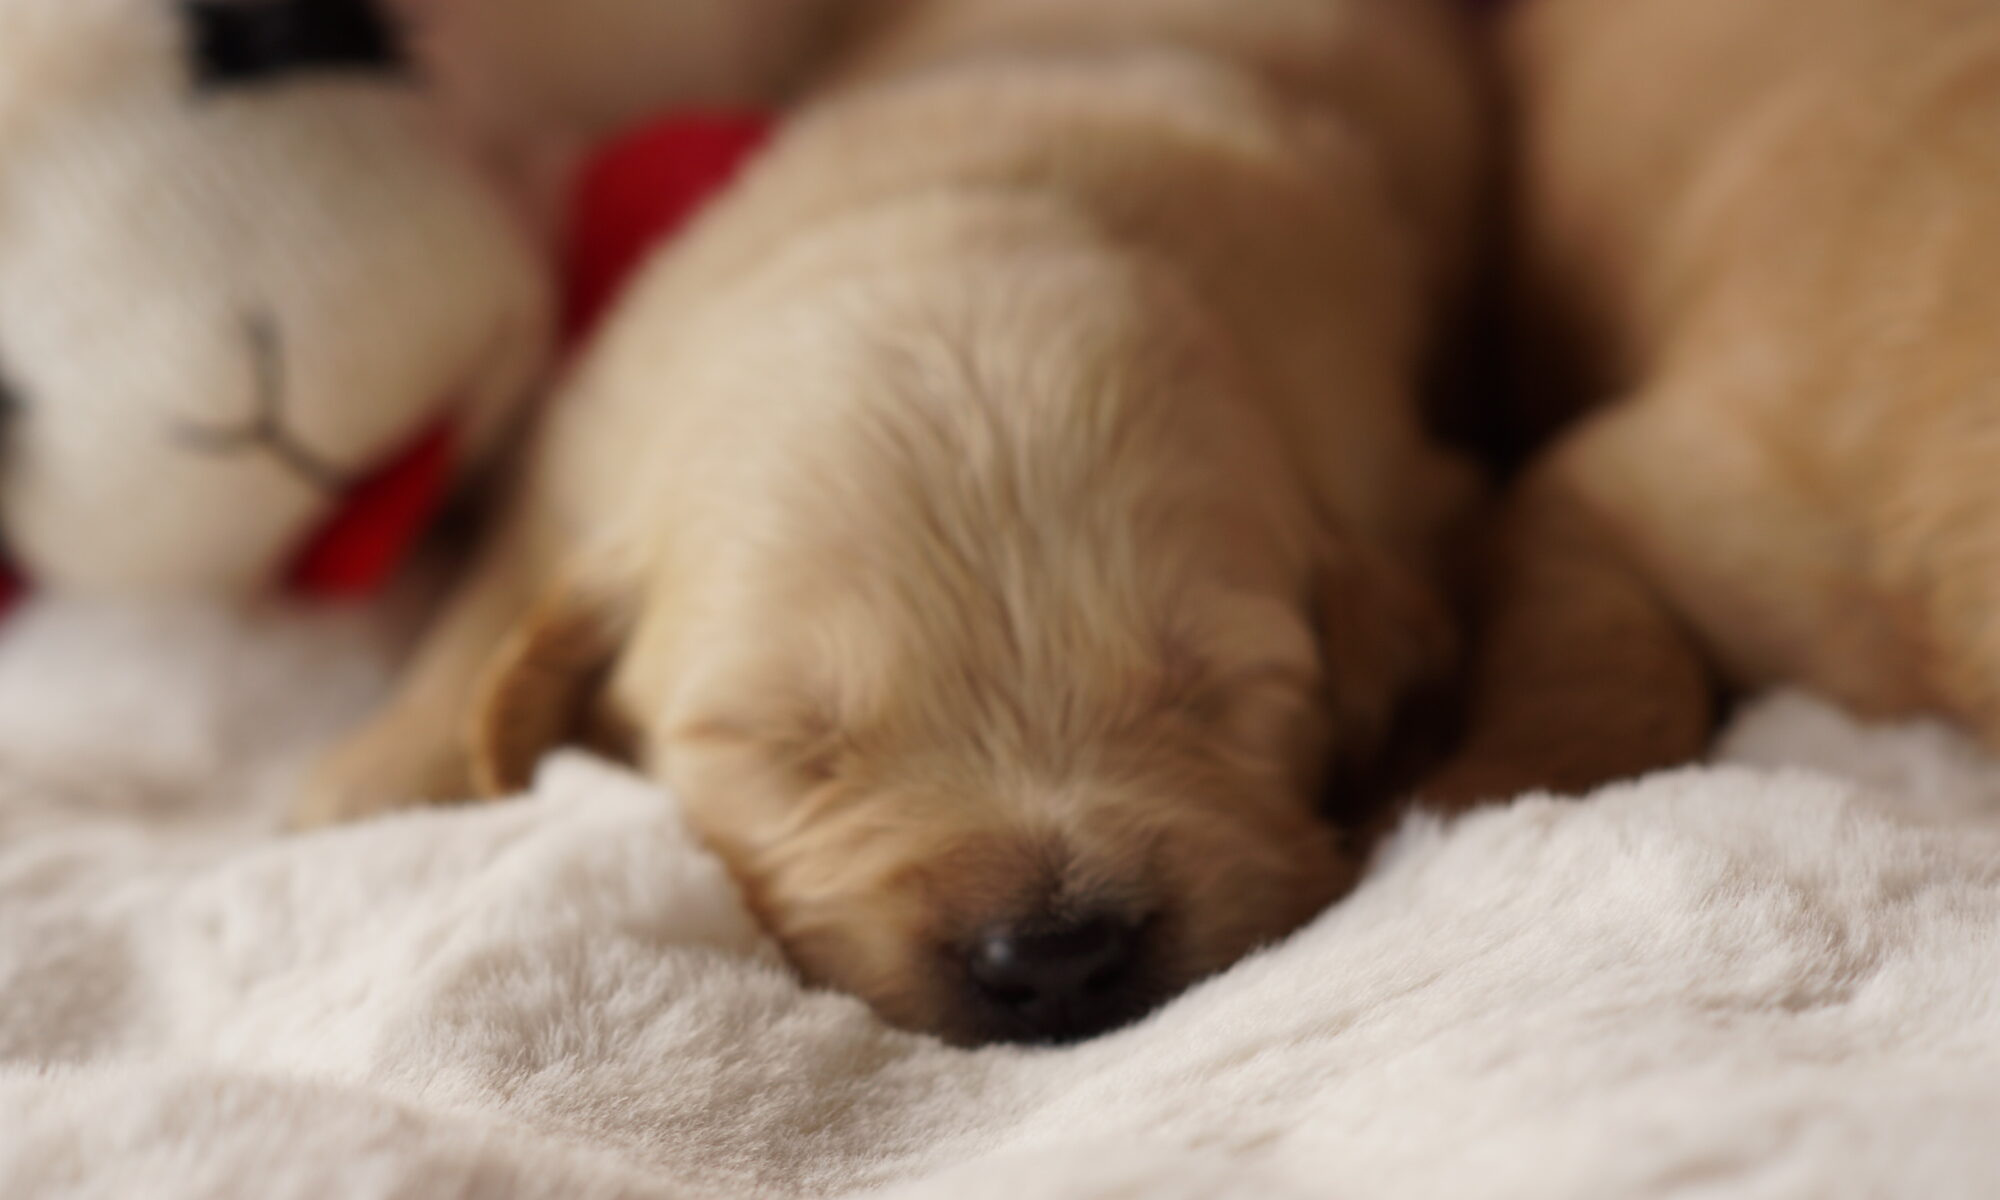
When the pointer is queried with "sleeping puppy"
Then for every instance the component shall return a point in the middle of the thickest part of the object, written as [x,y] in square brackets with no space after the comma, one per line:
[1777,221]
[997,519]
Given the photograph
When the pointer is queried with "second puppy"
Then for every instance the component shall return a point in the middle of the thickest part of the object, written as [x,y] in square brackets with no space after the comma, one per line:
[996,519]
[1773,224]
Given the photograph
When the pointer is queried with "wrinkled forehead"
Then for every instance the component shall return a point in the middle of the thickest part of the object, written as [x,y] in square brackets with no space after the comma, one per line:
[905,637]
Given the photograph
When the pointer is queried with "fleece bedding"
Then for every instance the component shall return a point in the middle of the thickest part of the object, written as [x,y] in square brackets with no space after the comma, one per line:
[1777,976]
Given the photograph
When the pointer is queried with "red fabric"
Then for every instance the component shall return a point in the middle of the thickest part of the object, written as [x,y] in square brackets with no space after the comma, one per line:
[643,189]
[385,514]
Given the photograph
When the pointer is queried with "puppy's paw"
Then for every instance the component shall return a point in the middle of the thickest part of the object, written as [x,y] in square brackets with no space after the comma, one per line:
[381,770]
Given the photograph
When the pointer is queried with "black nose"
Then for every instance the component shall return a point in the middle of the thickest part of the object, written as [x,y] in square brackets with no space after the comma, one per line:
[1057,981]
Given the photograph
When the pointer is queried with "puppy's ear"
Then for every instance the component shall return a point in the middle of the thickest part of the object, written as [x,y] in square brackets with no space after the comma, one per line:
[1386,635]
[542,688]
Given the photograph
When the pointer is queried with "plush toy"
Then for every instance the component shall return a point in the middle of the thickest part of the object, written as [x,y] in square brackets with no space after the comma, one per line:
[256,315]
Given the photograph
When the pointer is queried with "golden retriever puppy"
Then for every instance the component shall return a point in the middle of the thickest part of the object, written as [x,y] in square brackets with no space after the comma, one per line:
[1777,224]
[997,518]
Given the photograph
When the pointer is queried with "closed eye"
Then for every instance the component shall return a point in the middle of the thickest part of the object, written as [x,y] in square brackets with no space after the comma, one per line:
[1254,712]
[809,754]
[1199,678]
[1268,684]
[1237,642]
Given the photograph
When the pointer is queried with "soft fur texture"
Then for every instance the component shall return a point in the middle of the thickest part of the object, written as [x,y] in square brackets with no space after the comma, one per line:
[1769,225]
[1005,507]
[1732,983]
[224,303]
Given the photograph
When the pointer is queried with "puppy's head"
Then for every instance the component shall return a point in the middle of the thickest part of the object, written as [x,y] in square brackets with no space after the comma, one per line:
[1007,677]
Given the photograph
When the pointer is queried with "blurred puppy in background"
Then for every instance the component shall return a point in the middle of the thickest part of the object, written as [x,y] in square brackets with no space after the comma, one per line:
[1772,224]
[1002,515]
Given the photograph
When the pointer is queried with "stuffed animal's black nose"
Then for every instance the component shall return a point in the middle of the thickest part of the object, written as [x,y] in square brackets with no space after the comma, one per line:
[1058,981]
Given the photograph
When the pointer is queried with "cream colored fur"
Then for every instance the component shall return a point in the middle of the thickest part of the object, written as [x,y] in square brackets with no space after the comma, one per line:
[1773,223]
[1013,495]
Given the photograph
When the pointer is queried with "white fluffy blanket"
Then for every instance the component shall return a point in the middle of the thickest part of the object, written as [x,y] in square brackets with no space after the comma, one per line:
[1745,981]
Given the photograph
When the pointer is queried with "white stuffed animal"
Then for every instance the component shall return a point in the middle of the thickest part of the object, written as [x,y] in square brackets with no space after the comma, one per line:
[241,273]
